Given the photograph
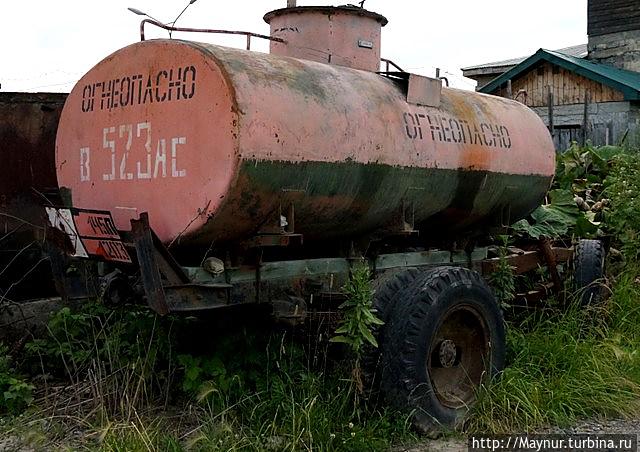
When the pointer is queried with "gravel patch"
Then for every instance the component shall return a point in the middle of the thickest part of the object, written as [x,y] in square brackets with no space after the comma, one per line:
[592,427]
[605,426]
[14,444]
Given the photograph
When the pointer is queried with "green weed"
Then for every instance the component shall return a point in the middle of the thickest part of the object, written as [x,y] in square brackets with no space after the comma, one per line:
[139,436]
[358,315]
[118,362]
[503,280]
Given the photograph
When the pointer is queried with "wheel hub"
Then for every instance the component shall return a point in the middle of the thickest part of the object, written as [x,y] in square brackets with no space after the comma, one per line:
[457,359]
[448,353]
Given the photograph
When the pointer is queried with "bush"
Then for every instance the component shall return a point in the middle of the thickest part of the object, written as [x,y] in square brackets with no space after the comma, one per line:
[254,389]
[577,200]
[622,216]
[122,357]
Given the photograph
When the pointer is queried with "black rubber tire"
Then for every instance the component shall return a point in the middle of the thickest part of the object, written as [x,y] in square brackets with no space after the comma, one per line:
[410,337]
[588,266]
[386,289]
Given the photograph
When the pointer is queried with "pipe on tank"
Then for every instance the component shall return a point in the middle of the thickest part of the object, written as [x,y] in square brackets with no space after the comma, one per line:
[291,3]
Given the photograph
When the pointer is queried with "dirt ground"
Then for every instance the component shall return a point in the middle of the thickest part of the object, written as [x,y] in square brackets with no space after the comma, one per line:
[630,426]
[449,444]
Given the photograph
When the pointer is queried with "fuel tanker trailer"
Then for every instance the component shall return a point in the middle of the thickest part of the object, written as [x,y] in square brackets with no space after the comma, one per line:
[219,176]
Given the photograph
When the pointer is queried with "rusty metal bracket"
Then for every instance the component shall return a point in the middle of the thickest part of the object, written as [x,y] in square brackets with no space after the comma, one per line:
[425,91]
[291,219]
[166,284]
[197,297]
[533,298]
[408,218]
[552,263]
[151,280]
[403,223]
[527,261]
[248,34]
[154,259]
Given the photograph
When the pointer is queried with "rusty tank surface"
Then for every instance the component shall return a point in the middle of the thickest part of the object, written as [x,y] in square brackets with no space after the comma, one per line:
[220,145]
[28,124]
[27,149]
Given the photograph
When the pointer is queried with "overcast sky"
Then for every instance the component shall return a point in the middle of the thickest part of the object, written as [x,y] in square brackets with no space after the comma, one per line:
[47,45]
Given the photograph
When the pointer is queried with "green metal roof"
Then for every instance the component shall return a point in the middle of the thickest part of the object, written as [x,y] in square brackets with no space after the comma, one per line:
[628,82]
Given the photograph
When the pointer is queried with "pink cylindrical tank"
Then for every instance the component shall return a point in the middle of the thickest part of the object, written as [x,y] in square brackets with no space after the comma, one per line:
[220,144]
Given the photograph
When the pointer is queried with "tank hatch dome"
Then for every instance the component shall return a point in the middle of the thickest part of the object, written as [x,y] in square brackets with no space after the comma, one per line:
[342,35]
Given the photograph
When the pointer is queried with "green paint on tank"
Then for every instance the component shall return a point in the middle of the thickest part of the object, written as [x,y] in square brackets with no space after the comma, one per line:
[309,83]
[344,199]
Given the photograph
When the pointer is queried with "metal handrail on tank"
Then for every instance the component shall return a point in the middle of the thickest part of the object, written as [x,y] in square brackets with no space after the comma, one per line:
[389,63]
[248,34]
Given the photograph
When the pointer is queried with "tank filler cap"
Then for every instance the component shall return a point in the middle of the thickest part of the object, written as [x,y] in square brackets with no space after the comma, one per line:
[327,10]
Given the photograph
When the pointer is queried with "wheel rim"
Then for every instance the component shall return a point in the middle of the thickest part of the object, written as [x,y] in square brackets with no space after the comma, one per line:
[458,355]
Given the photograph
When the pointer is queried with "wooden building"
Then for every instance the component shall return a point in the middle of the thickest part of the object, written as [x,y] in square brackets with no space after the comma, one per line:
[581,96]
[578,99]
[486,72]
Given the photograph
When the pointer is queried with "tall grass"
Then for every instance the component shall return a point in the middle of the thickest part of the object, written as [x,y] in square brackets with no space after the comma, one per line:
[295,407]
[130,381]
[566,365]
[282,401]
[314,414]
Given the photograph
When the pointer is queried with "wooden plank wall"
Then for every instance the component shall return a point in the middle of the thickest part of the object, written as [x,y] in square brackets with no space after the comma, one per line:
[568,87]
[616,134]
[607,123]
[612,16]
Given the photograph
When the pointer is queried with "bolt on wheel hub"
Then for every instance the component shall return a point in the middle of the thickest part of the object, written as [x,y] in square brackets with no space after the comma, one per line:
[448,353]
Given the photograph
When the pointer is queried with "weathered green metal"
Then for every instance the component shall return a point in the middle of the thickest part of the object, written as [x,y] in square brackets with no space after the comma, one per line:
[197,297]
[334,199]
[400,260]
[279,278]
[462,257]
[273,271]
[430,257]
